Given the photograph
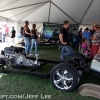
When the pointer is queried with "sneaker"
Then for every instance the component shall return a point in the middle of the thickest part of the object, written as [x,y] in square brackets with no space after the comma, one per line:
[36,54]
[31,54]
[27,53]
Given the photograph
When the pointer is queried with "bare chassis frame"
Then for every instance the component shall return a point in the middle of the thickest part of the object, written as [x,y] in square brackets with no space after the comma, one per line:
[32,70]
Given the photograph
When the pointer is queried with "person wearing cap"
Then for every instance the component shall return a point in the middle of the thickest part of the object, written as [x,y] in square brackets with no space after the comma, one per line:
[27,37]
[95,39]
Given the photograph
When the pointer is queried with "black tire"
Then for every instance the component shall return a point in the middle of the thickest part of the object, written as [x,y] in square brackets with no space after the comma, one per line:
[23,53]
[80,56]
[2,52]
[71,72]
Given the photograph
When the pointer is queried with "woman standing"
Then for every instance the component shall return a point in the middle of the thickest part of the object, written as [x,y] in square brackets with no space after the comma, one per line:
[34,40]
[95,39]
[27,37]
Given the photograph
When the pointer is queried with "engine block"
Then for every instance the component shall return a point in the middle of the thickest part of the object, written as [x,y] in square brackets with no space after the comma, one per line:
[18,60]
[14,56]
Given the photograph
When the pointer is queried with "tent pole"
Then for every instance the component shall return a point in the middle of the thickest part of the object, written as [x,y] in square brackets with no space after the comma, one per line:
[23,6]
[64,12]
[86,11]
[49,12]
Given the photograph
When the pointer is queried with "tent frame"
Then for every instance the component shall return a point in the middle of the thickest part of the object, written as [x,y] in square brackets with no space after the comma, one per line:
[49,12]
[86,11]
[64,12]
[23,6]
[78,23]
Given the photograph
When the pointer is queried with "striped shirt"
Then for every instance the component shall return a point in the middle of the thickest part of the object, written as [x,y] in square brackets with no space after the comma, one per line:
[96,35]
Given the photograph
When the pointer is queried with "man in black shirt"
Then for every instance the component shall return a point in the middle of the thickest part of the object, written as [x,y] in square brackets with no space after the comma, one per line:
[65,42]
[12,36]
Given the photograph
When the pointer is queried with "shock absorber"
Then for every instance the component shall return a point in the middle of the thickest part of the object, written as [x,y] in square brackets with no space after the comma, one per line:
[36,61]
[2,63]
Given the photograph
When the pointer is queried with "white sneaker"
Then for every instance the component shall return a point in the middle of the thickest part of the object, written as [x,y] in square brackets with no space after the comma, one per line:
[36,54]
[31,54]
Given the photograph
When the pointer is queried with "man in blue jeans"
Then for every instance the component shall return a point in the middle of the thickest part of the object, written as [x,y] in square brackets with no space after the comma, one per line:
[65,42]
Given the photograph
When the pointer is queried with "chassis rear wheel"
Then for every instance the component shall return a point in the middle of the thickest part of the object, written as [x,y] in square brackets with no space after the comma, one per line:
[64,77]
[76,60]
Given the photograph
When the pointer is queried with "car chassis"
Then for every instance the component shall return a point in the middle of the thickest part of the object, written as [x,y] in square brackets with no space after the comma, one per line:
[64,76]
[38,64]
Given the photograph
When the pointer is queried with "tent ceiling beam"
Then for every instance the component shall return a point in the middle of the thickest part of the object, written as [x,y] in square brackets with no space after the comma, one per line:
[1,1]
[26,11]
[32,12]
[7,18]
[9,4]
[64,12]
[24,6]
[86,11]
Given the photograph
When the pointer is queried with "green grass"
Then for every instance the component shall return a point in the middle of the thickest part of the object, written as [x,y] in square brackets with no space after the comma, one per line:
[18,84]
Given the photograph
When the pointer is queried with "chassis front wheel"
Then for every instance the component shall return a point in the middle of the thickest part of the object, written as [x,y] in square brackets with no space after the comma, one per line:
[64,77]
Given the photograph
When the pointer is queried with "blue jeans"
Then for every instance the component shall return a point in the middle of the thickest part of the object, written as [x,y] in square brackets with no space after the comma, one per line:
[27,41]
[3,37]
[34,43]
[66,51]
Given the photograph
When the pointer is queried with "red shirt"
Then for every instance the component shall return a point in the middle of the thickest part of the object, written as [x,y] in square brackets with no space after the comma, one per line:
[6,29]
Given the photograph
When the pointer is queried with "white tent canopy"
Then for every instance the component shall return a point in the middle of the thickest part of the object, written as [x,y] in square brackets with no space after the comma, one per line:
[53,11]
